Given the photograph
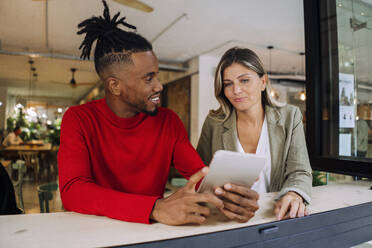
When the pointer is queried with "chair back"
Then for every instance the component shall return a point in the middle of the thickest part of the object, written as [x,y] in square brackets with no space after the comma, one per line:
[45,192]
[31,158]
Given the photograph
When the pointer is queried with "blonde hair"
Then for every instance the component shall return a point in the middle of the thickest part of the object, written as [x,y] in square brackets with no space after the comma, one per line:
[249,59]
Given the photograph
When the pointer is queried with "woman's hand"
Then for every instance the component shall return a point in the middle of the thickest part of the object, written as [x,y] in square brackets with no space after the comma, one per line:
[291,205]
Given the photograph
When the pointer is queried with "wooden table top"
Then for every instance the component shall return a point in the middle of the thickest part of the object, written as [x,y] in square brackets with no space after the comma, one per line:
[27,147]
[68,229]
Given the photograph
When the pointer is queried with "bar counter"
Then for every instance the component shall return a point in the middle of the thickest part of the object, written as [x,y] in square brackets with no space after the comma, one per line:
[340,216]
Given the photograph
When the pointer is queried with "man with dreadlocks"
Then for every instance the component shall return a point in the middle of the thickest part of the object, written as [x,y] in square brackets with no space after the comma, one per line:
[115,153]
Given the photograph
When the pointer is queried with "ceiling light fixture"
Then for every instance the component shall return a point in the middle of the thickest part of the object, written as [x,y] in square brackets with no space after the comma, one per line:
[32,76]
[73,81]
[270,48]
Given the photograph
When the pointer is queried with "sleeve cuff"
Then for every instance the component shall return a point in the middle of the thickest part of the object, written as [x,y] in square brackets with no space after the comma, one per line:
[306,197]
[148,213]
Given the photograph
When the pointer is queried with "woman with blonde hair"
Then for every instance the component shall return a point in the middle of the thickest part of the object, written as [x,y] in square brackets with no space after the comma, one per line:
[249,120]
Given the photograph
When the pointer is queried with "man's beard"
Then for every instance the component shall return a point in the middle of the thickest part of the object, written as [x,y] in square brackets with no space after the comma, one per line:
[141,107]
[151,113]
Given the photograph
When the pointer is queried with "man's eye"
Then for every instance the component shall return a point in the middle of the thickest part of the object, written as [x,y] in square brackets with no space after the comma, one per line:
[148,79]
[244,81]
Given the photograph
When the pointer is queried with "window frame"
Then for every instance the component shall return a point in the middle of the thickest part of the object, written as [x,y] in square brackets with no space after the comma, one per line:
[316,75]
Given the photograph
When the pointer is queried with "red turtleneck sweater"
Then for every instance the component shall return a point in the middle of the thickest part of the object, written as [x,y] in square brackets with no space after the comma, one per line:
[118,167]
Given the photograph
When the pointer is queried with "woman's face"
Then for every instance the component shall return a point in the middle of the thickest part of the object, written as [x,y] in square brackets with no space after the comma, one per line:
[243,87]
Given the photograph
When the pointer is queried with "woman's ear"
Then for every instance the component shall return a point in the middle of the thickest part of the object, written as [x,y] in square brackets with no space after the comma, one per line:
[264,79]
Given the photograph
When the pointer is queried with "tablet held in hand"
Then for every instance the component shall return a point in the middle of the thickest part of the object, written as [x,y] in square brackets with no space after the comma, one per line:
[232,167]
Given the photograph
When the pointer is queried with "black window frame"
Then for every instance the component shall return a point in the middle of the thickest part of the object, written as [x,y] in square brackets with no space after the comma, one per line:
[316,75]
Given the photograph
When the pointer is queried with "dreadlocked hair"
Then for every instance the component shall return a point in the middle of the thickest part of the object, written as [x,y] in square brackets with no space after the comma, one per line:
[114,45]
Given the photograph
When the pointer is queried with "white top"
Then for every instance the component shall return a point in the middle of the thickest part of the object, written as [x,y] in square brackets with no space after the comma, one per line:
[263,148]
[12,139]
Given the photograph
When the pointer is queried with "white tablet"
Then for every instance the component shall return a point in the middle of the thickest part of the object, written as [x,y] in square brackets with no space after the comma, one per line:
[232,167]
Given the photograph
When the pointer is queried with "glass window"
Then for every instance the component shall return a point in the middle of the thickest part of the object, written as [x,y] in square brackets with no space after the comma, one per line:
[338,39]
[290,91]
[346,29]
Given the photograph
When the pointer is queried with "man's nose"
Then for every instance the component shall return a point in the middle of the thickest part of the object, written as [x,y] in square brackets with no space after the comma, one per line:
[158,86]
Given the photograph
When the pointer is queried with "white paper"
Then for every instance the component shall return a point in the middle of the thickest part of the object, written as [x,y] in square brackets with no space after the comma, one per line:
[346,99]
[345,144]
[347,119]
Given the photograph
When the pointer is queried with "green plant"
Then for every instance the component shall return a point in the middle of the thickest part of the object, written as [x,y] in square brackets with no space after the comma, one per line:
[19,120]
[34,128]
[54,132]
[319,178]
[30,130]
[10,124]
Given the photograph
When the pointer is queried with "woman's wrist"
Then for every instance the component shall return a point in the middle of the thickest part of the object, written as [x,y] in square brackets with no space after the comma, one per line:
[296,195]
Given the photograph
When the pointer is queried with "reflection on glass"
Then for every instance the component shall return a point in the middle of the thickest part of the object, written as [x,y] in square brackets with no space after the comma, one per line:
[291,92]
[347,108]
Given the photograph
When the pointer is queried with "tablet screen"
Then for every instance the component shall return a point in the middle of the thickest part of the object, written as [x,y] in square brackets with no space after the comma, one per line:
[232,167]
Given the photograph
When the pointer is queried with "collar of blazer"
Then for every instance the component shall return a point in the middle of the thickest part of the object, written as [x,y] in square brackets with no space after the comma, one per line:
[272,114]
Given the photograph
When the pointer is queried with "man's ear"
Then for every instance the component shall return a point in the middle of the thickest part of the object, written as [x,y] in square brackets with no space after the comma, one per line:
[113,86]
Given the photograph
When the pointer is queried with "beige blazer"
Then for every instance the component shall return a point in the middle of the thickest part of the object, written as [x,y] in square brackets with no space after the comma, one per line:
[290,166]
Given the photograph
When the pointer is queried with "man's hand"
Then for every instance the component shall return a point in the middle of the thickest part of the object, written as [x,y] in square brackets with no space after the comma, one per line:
[183,206]
[291,205]
[240,202]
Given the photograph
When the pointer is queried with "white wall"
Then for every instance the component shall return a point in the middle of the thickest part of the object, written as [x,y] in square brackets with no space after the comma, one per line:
[207,100]
[194,101]
[202,95]
[194,110]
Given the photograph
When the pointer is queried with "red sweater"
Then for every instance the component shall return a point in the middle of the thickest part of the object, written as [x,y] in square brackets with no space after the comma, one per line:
[118,167]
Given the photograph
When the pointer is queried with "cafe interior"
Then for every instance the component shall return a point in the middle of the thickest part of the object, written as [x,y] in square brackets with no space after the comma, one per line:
[42,75]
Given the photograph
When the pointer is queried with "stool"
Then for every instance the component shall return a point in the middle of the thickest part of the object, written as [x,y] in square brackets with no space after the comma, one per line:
[45,192]
[31,160]
[20,166]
